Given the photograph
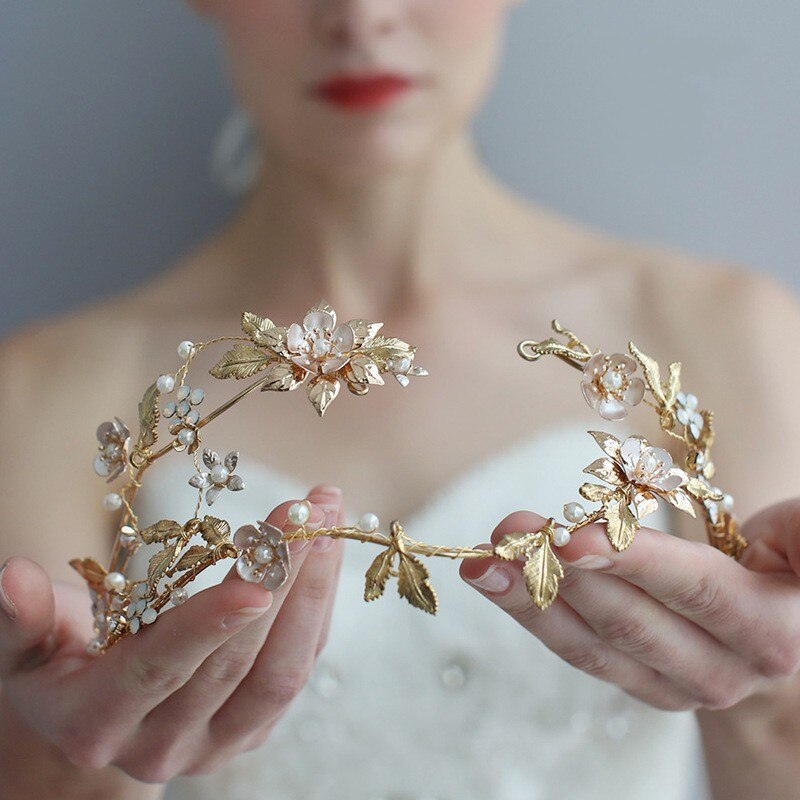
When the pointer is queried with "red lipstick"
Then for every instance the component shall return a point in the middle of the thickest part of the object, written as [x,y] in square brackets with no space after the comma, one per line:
[363,92]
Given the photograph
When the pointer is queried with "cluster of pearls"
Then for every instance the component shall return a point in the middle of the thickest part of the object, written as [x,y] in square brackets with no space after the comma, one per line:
[137,611]
[184,410]
[688,415]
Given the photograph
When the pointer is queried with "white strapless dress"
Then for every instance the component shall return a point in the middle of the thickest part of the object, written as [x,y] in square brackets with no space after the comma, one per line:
[466,705]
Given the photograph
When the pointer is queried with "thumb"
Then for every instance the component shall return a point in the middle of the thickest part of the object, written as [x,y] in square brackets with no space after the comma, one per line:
[27,621]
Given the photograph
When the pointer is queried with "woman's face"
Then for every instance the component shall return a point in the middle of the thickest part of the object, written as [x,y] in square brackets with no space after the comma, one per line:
[353,87]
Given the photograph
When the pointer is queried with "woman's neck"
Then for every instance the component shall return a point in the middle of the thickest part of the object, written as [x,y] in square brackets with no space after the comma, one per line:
[382,242]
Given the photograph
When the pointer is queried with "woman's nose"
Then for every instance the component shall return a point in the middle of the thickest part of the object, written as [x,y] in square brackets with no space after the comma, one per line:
[345,22]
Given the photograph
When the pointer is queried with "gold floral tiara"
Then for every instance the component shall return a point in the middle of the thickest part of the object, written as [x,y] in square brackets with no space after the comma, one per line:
[323,355]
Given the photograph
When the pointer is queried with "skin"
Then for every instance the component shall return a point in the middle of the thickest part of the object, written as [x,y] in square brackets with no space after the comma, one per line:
[390,215]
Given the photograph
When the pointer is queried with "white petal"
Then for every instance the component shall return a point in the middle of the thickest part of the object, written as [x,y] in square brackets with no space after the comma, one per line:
[612,409]
[627,363]
[631,449]
[231,460]
[246,536]
[683,415]
[348,339]
[210,458]
[235,483]
[635,392]
[200,481]
[591,394]
[321,320]
[295,336]
[595,365]
[212,494]
[332,364]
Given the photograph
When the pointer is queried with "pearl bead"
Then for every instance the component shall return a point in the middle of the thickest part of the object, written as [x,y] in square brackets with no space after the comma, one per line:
[178,596]
[183,392]
[369,523]
[185,349]
[299,513]
[574,512]
[127,540]
[612,380]
[93,648]
[264,553]
[185,436]
[133,624]
[196,397]
[726,504]
[112,501]
[169,409]
[219,474]
[561,537]
[115,582]
[101,467]
[149,615]
[165,383]
[192,418]
[184,408]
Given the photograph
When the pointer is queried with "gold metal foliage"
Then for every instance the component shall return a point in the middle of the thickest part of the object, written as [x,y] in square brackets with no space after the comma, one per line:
[629,480]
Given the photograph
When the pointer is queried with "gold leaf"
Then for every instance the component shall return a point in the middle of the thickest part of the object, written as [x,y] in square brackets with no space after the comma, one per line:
[674,384]
[282,376]
[413,584]
[596,493]
[609,444]
[192,556]
[365,370]
[621,525]
[382,350]
[513,545]
[91,571]
[160,562]
[256,327]
[214,530]
[646,503]
[608,471]
[242,361]
[707,433]
[161,531]
[681,501]
[148,418]
[543,572]
[323,306]
[378,574]
[651,371]
[322,392]
[364,330]
[702,490]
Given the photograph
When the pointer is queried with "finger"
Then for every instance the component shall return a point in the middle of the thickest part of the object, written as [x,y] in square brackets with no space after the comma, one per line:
[561,629]
[698,582]
[217,677]
[27,621]
[627,618]
[140,671]
[283,664]
[326,625]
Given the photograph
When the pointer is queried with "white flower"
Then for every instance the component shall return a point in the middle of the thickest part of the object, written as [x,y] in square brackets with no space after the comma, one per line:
[113,438]
[402,367]
[688,414]
[219,476]
[264,556]
[318,345]
[609,386]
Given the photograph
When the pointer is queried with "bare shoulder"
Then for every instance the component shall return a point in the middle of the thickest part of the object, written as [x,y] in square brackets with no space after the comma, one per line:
[61,377]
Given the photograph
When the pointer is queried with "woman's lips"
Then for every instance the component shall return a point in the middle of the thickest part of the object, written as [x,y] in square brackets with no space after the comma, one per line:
[363,92]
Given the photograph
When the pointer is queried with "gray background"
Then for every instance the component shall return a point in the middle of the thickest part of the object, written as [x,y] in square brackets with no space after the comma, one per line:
[667,121]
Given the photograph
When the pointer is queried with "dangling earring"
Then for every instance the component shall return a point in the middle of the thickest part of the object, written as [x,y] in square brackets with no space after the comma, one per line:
[236,157]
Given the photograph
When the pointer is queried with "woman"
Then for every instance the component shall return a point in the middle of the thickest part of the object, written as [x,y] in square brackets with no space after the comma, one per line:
[371,195]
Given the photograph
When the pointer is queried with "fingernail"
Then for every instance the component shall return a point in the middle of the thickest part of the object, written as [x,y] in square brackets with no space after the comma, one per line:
[591,562]
[494,580]
[5,601]
[244,616]
[298,545]
[323,543]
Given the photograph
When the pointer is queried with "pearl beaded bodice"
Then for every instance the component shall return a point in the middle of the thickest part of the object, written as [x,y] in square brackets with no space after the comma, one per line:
[466,705]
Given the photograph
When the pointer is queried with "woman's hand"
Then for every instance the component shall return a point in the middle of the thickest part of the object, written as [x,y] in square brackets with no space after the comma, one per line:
[672,622]
[209,680]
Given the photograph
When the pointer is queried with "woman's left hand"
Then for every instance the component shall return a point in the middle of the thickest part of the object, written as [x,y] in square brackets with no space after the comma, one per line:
[675,623]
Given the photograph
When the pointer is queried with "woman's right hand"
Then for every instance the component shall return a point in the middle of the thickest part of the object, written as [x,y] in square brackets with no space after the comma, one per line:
[209,680]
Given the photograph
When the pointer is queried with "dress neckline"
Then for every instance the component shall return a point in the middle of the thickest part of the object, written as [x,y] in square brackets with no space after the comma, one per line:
[548,440]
